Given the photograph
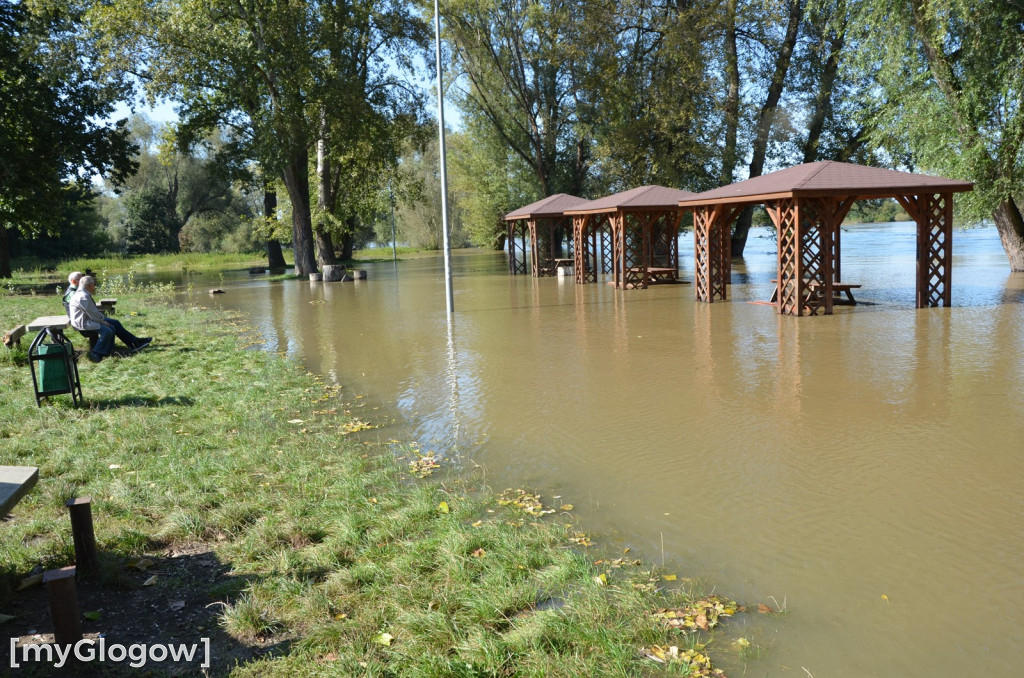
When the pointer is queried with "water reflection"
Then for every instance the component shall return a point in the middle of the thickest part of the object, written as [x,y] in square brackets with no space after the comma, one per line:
[823,461]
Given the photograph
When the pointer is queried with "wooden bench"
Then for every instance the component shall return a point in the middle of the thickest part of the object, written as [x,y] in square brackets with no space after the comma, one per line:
[15,482]
[838,288]
[12,337]
[107,306]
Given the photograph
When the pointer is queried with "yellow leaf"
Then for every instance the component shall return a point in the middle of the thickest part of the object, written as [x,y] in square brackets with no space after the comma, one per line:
[602,579]
[478,523]
[743,642]
[669,577]
[384,639]
[141,564]
[479,553]
[443,507]
[566,507]
[885,598]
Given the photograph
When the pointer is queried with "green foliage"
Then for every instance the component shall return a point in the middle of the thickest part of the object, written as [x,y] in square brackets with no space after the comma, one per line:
[150,222]
[950,79]
[51,102]
[418,212]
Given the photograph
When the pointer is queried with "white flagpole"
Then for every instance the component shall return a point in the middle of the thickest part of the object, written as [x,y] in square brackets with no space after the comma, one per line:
[444,167]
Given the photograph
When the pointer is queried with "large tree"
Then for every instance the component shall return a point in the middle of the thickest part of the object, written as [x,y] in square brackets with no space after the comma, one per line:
[951,83]
[51,102]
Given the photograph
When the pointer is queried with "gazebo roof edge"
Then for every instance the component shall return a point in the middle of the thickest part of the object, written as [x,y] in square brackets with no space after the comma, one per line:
[827,179]
[552,206]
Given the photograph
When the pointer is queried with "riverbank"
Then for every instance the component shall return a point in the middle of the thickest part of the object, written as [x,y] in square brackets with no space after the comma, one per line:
[238,497]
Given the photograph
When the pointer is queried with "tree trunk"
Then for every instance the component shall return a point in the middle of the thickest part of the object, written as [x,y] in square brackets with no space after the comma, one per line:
[732,100]
[296,178]
[766,117]
[275,257]
[1011,232]
[5,254]
[324,243]
[348,239]
[823,97]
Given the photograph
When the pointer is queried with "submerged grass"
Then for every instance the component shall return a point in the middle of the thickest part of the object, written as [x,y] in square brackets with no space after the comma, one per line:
[338,549]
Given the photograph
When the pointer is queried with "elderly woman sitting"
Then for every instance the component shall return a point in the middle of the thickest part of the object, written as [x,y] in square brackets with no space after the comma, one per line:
[86,316]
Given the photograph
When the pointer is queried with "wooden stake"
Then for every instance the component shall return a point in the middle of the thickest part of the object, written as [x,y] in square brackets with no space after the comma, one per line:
[67,622]
[82,532]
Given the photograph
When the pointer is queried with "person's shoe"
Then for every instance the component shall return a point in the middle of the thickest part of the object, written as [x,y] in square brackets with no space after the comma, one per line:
[142,343]
[93,357]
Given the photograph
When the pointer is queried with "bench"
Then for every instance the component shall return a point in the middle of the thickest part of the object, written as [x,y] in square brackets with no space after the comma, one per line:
[816,288]
[12,337]
[15,482]
[107,306]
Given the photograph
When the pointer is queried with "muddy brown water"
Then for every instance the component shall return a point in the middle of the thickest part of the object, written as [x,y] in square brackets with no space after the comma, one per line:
[865,470]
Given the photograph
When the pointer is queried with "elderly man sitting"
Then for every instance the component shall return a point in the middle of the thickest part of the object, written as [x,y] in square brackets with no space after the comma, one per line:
[73,280]
[86,316]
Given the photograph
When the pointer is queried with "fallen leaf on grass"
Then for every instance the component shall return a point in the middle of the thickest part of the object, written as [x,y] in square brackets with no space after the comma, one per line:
[114,466]
[296,421]
[424,464]
[443,507]
[479,553]
[149,582]
[702,614]
[668,577]
[602,579]
[140,564]
[384,639]
[478,523]
[763,609]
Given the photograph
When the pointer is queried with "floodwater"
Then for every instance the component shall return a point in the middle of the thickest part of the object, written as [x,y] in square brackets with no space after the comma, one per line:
[865,471]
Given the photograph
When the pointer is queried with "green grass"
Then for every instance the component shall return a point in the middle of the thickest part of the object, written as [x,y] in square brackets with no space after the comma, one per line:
[337,548]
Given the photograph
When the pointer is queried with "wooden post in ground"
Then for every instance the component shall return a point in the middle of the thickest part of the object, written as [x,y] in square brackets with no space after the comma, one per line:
[60,589]
[83,534]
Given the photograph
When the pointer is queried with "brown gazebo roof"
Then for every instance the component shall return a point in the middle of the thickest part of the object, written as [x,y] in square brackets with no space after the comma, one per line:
[551,206]
[645,198]
[827,178]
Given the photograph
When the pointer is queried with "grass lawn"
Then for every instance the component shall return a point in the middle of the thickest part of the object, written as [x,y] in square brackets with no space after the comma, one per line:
[238,497]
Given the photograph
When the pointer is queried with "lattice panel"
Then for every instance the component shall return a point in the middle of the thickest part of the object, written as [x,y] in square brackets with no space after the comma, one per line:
[812,256]
[702,220]
[583,252]
[634,254]
[784,215]
[664,243]
[934,251]
[516,240]
[606,242]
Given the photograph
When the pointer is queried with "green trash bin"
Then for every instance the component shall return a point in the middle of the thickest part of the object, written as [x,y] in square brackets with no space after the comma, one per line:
[53,367]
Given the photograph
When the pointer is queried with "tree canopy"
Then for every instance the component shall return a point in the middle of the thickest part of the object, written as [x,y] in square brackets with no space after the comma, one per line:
[51,107]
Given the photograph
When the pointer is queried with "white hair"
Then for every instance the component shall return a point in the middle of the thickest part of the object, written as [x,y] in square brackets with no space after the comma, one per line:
[85,281]
[75,277]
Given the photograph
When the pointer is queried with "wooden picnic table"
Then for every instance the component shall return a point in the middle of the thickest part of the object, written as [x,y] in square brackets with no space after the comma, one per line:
[50,322]
[15,482]
[816,287]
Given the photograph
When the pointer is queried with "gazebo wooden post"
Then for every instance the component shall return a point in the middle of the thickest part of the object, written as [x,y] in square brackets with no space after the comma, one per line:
[534,254]
[509,238]
[583,245]
[516,247]
[935,250]
[708,254]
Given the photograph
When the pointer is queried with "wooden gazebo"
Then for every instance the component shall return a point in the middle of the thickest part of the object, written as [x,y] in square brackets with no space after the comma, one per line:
[642,226]
[545,223]
[807,203]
